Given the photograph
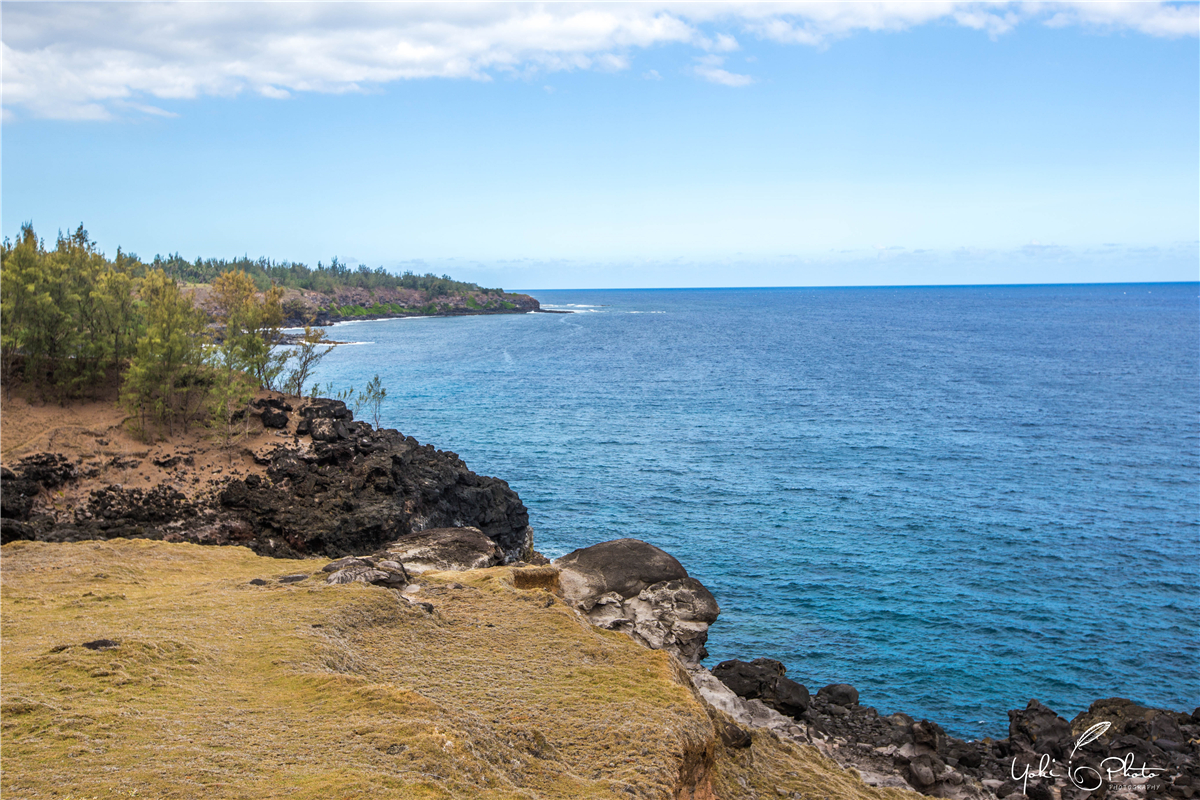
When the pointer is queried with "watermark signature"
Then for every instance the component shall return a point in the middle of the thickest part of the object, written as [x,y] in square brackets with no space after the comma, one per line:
[1114,769]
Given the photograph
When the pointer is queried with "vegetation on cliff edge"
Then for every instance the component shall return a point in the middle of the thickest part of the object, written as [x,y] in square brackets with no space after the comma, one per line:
[73,320]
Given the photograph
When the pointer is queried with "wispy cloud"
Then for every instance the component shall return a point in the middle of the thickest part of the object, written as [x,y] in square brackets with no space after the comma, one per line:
[80,60]
[710,69]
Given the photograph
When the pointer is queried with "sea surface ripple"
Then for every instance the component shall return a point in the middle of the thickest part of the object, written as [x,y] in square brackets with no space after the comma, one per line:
[955,499]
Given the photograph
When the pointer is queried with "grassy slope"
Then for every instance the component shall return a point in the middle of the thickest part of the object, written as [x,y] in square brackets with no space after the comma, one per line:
[223,689]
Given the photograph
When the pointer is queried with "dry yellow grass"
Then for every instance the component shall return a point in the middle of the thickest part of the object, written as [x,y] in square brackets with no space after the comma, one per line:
[221,689]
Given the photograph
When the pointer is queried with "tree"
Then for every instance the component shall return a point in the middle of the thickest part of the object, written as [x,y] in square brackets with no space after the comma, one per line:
[115,295]
[230,394]
[68,314]
[251,327]
[45,297]
[167,381]
[78,267]
[372,397]
[20,267]
[312,349]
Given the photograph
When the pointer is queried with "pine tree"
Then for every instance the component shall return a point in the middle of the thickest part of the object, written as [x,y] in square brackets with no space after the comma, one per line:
[312,349]
[167,382]
[20,267]
[251,327]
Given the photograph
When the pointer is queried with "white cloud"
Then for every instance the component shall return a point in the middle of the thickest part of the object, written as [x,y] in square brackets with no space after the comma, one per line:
[709,68]
[725,43]
[80,60]
[652,75]
[1153,19]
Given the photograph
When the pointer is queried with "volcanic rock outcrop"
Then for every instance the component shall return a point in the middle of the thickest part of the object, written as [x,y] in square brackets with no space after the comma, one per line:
[764,679]
[1108,745]
[338,488]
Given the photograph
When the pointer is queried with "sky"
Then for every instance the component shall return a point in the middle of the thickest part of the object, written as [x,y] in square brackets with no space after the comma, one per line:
[617,145]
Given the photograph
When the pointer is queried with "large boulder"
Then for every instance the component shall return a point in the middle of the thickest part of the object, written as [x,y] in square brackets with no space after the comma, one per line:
[327,430]
[453,549]
[275,402]
[840,694]
[621,566]
[635,587]
[764,679]
[274,418]
[377,571]
[322,408]
[274,411]
[325,408]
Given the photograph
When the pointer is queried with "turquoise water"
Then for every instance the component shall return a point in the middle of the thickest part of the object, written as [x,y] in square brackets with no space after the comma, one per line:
[955,499]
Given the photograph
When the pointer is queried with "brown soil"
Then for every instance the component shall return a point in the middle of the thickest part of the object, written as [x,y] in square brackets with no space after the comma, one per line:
[99,436]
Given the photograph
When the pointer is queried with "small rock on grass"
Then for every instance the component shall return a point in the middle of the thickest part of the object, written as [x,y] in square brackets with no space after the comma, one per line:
[101,644]
[365,574]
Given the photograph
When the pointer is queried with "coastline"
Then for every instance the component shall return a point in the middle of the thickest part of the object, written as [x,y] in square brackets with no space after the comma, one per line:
[323,310]
[278,498]
[291,337]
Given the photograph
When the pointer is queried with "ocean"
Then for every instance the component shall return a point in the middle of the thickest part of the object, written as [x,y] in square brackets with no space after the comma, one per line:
[954,498]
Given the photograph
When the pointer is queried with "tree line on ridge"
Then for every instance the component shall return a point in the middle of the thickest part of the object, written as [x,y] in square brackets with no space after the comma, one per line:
[72,320]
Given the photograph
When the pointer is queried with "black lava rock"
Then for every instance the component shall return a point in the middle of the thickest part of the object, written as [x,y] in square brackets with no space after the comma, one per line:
[274,418]
[764,679]
[840,694]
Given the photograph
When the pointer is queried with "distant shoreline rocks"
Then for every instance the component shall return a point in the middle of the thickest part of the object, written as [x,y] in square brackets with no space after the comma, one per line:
[349,304]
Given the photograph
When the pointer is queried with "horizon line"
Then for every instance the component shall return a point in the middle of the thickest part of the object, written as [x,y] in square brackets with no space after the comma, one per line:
[856,286]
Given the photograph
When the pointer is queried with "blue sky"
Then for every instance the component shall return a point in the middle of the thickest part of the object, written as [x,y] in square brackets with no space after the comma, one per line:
[607,146]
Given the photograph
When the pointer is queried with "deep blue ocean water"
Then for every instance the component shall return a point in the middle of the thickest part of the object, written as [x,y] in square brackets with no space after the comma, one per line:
[955,499]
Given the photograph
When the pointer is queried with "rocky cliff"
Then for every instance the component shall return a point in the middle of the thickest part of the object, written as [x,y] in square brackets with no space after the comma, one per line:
[1116,749]
[350,303]
[320,483]
[529,674]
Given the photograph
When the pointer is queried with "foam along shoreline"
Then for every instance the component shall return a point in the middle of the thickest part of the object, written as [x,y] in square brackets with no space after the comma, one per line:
[385,319]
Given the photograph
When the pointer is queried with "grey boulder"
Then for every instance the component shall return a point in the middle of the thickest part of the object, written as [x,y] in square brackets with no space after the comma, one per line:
[841,694]
[631,586]
[444,549]
[363,569]
[383,574]
[622,566]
